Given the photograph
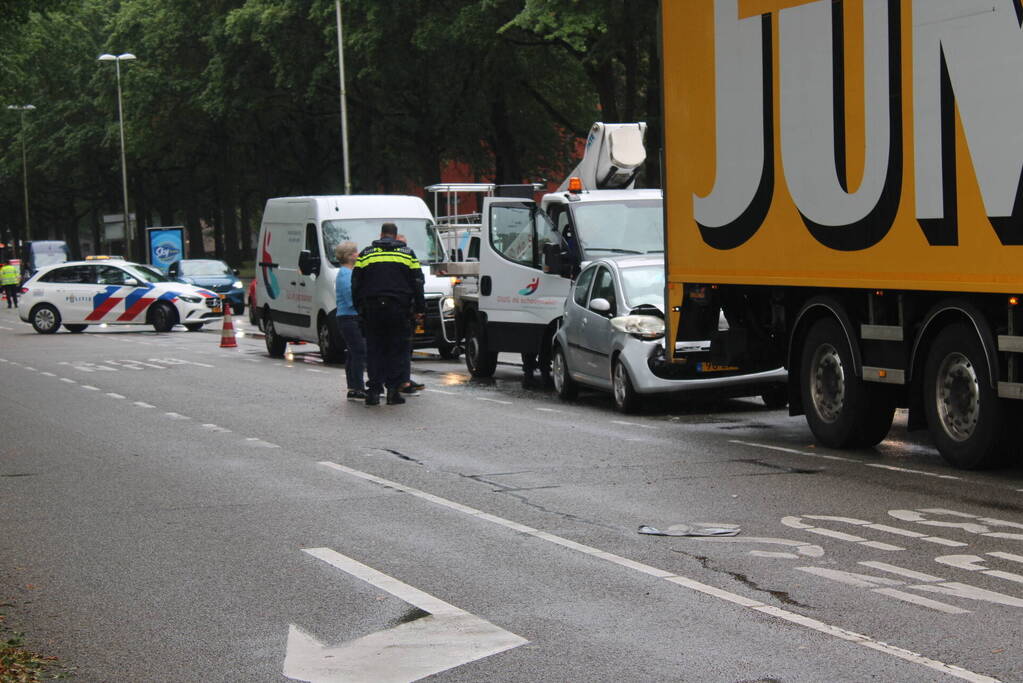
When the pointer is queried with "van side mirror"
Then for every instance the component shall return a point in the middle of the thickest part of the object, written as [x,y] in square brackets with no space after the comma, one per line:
[307,263]
[557,261]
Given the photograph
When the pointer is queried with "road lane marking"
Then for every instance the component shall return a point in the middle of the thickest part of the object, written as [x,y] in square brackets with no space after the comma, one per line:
[438,391]
[691,584]
[549,410]
[216,428]
[254,441]
[30,369]
[113,395]
[177,416]
[906,469]
[89,387]
[493,400]
[791,450]
[142,404]
[48,374]
[446,638]
[68,380]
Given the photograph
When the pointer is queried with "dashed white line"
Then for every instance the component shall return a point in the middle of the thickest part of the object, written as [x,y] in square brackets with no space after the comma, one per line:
[30,369]
[438,391]
[905,469]
[89,387]
[142,404]
[113,395]
[493,400]
[253,441]
[177,416]
[68,380]
[791,450]
[314,370]
[216,428]
[4,360]
[48,374]
[549,410]
[633,424]
[685,582]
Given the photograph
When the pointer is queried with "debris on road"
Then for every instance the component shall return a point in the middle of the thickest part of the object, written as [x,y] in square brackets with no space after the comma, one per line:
[694,529]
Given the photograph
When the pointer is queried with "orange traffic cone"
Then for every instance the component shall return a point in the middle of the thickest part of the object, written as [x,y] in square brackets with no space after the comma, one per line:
[227,340]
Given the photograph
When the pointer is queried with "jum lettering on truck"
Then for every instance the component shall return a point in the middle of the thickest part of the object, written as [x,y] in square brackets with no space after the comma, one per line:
[845,134]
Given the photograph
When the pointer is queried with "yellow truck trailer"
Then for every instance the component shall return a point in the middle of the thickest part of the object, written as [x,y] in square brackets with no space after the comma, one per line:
[843,183]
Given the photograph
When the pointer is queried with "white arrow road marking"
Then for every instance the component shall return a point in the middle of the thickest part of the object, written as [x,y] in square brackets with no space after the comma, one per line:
[447,638]
[683,581]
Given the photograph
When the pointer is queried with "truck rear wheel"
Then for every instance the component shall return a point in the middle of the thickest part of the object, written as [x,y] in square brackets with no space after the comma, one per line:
[842,410]
[965,417]
[479,360]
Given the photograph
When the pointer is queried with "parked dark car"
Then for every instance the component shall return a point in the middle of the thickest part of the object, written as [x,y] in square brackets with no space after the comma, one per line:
[213,275]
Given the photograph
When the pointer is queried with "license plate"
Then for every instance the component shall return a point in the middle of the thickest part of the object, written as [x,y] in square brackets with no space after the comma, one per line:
[420,329]
[217,308]
[712,367]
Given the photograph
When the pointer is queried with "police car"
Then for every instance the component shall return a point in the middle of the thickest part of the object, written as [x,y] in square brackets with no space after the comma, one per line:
[114,292]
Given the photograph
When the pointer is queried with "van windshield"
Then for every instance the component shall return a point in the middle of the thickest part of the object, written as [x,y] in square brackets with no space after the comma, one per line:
[418,232]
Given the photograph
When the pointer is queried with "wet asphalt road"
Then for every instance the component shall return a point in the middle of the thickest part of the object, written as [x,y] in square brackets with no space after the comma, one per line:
[170,511]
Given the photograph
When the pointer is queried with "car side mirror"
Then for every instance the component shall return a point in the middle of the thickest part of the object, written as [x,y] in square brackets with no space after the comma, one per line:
[602,306]
[131,282]
[172,270]
[307,263]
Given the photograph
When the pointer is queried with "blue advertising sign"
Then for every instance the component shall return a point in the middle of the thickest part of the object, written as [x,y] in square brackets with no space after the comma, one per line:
[166,245]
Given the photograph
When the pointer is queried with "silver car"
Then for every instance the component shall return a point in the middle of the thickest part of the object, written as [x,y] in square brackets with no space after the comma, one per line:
[612,338]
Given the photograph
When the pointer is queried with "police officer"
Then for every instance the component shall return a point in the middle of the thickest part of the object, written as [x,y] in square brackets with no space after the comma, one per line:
[387,282]
[9,281]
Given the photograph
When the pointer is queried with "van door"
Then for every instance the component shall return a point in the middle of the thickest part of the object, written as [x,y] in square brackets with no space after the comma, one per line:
[296,318]
[519,299]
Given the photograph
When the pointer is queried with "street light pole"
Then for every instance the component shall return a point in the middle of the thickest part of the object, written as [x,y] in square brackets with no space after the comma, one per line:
[127,56]
[344,109]
[22,108]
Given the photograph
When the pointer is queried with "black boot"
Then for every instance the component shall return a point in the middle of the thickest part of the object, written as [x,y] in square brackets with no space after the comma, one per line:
[394,397]
[372,398]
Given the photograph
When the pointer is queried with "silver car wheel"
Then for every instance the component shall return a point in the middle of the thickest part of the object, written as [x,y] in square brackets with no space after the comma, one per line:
[620,382]
[559,372]
[45,319]
[958,394]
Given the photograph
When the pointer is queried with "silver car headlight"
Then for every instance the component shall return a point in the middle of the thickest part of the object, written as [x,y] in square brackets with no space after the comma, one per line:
[237,284]
[639,326]
[190,299]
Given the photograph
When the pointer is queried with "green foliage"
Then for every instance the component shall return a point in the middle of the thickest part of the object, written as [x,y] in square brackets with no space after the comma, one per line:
[234,101]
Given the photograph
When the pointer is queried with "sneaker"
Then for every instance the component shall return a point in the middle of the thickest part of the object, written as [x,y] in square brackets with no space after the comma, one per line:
[372,399]
[394,398]
[356,394]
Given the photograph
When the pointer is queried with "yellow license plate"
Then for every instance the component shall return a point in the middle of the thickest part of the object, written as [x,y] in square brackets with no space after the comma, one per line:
[711,367]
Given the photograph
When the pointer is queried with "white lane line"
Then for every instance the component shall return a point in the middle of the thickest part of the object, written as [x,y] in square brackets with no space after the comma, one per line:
[142,404]
[89,387]
[6,328]
[921,601]
[4,360]
[494,400]
[253,441]
[216,428]
[633,424]
[48,374]
[30,369]
[438,391]
[791,450]
[549,410]
[251,360]
[691,584]
[177,416]
[113,395]
[68,380]
[314,370]
[904,469]
[902,571]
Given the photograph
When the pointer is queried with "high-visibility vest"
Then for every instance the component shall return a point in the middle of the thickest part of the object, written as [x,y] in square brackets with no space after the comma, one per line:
[8,275]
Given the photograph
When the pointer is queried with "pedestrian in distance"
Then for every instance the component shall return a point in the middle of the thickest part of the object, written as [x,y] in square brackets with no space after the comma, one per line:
[348,321]
[9,281]
[387,282]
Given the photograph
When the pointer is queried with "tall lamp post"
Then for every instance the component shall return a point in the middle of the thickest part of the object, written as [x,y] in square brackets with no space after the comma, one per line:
[117,59]
[24,161]
[344,108]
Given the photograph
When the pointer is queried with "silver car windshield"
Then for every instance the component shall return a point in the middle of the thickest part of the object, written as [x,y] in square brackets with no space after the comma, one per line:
[418,232]
[623,227]
[643,286]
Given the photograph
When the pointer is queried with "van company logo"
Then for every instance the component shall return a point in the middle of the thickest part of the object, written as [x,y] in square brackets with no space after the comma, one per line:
[166,252]
[265,265]
[531,288]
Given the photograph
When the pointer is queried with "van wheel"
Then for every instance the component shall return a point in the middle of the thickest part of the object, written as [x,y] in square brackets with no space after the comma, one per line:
[45,319]
[480,361]
[274,344]
[332,349]
[965,417]
[842,410]
[163,317]
[566,387]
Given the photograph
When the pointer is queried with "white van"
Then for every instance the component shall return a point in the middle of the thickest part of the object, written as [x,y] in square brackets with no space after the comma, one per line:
[296,268]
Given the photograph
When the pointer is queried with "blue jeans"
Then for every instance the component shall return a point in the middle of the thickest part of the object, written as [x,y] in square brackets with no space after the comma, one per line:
[355,361]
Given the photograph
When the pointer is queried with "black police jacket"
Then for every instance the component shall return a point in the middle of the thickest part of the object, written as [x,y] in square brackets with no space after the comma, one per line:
[388,268]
